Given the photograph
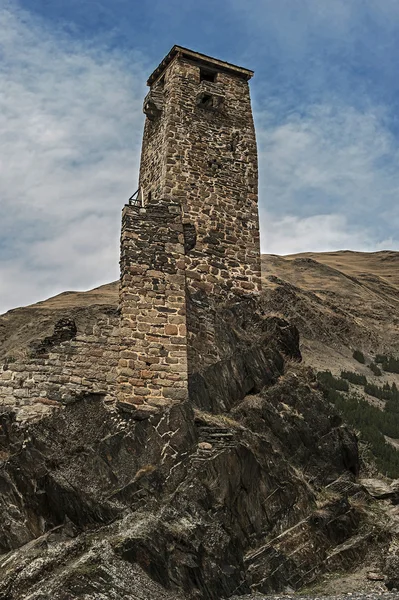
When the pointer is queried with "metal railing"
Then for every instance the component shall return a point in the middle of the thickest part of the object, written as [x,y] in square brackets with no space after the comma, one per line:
[136,199]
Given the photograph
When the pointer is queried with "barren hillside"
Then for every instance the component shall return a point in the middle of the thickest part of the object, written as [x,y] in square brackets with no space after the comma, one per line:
[340,301]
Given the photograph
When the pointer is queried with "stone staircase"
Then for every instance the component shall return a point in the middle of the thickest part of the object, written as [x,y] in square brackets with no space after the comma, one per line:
[212,441]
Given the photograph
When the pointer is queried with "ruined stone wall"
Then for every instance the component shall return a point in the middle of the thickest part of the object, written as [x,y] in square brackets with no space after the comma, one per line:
[210,167]
[55,371]
[153,360]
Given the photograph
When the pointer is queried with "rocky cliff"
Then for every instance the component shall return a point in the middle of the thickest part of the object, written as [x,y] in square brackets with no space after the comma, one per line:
[252,486]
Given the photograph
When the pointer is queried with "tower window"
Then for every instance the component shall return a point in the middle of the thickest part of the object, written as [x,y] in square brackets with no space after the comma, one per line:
[206,75]
[205,101]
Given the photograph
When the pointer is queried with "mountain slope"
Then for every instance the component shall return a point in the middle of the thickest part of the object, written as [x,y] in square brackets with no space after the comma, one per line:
[346,307]
[340,301]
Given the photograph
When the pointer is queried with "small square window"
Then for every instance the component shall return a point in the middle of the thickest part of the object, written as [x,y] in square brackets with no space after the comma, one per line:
[206,75]
[205,101]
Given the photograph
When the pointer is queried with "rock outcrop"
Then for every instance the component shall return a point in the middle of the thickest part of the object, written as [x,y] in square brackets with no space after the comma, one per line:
[251,485]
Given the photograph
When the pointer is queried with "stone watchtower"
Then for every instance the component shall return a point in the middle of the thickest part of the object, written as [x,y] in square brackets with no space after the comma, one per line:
[193,227]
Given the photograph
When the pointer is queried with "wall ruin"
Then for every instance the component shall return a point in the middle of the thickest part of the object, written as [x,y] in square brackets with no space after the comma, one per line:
[57,370]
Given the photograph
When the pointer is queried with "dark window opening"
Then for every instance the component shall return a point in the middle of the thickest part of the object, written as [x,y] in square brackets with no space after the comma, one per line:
[205,101]
[149,196]
[190,237]
[206,75]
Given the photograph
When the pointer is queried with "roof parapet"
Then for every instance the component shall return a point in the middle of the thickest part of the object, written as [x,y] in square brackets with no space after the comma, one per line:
[202,59]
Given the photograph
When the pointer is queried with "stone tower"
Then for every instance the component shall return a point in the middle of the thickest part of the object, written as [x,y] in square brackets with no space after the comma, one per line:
[193,228]
[199,149]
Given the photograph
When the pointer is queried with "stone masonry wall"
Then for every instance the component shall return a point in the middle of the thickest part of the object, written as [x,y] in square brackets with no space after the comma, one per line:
[55,371]
[210,166]
[152,166]
[152,370]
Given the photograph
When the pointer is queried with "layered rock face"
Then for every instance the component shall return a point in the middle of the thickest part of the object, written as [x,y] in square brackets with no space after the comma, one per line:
[249,486]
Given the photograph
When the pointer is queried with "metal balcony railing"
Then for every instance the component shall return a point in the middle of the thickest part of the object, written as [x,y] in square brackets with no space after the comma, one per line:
[136,199]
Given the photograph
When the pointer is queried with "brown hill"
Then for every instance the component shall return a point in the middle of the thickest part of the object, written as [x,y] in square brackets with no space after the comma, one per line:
[22,326]
[340,301]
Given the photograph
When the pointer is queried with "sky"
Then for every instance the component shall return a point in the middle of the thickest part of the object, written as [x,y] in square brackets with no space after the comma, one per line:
[72,79]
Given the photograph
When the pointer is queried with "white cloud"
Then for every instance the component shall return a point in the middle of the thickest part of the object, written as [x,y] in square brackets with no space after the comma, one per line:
[334,160]
[294,25]
[71,126]
[319,233]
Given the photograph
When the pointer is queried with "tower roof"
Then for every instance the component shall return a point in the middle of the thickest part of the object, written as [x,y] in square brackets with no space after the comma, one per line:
[201,59]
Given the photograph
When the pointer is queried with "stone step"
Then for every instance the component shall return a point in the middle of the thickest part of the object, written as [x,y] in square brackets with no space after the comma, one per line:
[214,429]
[222,436]
[217,447]
[204,454]
[216,435]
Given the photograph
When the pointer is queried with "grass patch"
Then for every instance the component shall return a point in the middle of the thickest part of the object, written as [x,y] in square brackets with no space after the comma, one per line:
[145,470]
[216,420]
